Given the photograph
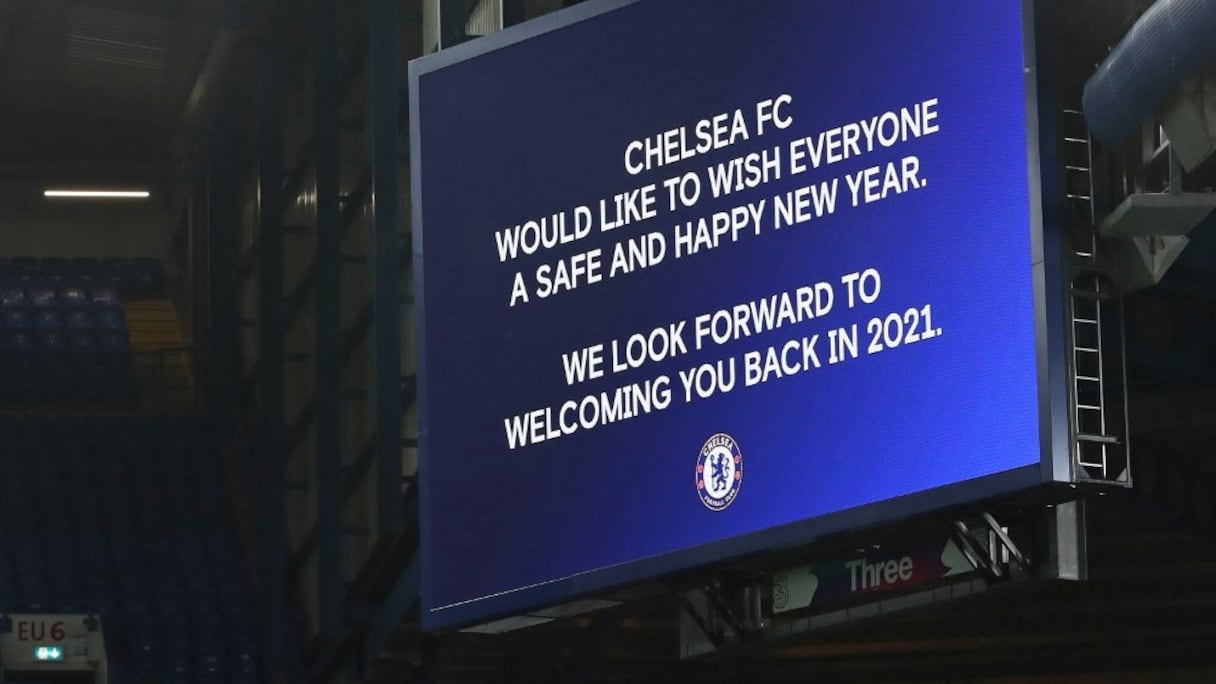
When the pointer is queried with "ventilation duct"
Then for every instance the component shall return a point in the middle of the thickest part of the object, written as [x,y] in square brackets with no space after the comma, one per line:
[1169,43]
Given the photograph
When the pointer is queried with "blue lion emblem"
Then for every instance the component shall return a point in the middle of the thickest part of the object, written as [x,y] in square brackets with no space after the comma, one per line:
[719,474]
[719,471]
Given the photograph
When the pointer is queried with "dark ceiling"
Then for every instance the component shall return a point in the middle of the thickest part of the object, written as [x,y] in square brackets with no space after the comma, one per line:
[106,88]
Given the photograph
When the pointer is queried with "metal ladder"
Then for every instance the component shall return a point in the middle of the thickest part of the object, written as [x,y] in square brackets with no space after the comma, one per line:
[1092,439]
[1079,185]
[1091,298]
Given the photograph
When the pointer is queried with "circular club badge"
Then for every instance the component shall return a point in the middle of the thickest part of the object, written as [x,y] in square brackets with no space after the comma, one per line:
[719,471]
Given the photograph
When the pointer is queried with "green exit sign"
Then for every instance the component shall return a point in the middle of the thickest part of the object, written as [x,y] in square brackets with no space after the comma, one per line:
[48,654]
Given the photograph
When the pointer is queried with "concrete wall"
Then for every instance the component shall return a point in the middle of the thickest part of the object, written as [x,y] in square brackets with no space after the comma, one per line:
[31,225]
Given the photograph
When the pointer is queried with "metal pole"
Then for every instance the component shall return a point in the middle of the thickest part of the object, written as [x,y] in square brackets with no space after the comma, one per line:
[329,430]
[272,527]
[386,260]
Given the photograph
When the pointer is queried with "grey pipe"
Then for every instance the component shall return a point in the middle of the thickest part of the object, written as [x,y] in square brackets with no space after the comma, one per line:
[1170,42]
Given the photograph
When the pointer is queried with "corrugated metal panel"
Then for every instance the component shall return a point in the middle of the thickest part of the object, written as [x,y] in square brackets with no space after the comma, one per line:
[124,54]
[486,18]
[430,25]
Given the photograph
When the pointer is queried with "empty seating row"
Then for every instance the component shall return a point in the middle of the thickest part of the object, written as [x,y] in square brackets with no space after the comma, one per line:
[62,367]
[125,517]
[23,295]
[62,343]
[132,276]
[53,319]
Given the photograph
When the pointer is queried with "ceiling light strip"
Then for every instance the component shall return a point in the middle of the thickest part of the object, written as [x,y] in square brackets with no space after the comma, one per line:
[97,194]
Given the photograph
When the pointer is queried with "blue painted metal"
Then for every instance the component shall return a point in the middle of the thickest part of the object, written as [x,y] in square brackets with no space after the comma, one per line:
[386,260]
[221,250]
[328,397]
[271,425]
[1166,45]
[392,611]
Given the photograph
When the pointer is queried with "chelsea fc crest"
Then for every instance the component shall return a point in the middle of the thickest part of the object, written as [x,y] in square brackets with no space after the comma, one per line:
[719,471]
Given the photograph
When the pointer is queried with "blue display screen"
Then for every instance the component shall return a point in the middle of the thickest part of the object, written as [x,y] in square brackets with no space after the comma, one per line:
[694,277]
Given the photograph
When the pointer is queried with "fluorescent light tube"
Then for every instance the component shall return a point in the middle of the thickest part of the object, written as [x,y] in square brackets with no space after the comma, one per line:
[97,194]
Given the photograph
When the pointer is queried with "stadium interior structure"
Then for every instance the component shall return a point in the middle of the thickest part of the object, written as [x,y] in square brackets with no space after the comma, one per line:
[207,424]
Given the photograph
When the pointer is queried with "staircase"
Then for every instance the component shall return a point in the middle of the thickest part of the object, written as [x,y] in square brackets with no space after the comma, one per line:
[163,361]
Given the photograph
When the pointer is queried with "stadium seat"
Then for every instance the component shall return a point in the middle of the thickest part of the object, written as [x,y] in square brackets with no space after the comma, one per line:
[177,674]
[105,296]
[53,265]
[22,265]
[111,320]
[85,269]
[81,320]
[41,293]
[51,340]
[73,295]
[147,276]
[48,319]
[19,341]
[12,296]
[113,340]
[85,341]
[15,320]
[116,272]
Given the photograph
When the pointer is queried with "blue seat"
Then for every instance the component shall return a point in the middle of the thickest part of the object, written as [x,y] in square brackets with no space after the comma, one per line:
[111,320]
[210,661]
[105,297]
[34,596]
[48,319]
[52,265]
[81,320]
[85,268]
[41,294]
[90,367]
[51,341]
[12,298]
[175,643]
[113,341]
[242,654]
[142,646]
[24,264]
[74,295]
[18,341]
[21,280]
[147,276]
[85,342]
[177,673]
[16,320]
[116,272]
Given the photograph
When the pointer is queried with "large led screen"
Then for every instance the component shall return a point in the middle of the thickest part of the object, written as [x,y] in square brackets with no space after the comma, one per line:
[697,279]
